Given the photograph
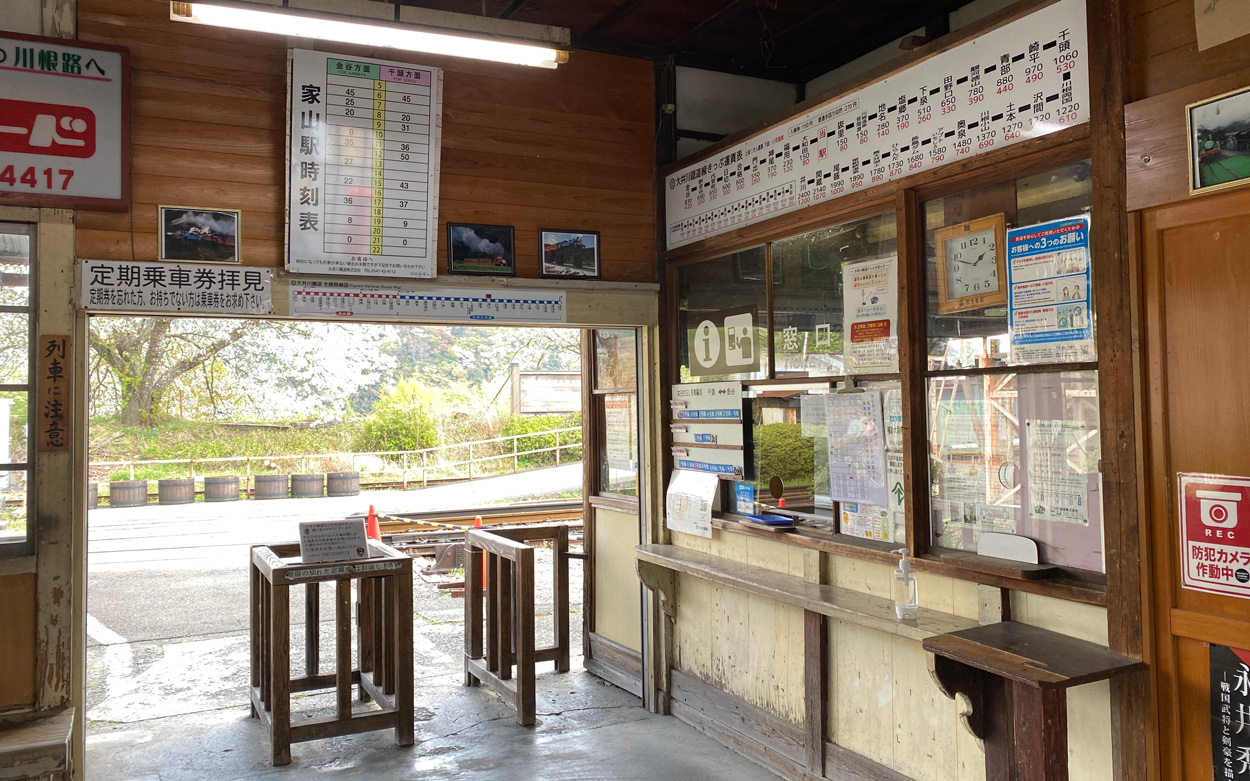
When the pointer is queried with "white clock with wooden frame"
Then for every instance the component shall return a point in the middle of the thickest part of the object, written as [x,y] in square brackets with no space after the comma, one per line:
[971,265]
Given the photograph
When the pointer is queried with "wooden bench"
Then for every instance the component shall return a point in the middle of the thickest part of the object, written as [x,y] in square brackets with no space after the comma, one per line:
[384,588]
[658,564]
[36,745]
[1014,680]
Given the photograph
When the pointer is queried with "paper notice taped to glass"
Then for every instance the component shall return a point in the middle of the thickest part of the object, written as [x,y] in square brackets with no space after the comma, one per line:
[1058,481]
[856,448]
[688,505]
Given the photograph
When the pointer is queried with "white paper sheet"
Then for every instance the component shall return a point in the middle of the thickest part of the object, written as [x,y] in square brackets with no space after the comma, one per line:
[688,505]
[856,447]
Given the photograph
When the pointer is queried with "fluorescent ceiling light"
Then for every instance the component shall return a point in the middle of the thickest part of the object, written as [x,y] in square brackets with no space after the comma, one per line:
[252,19]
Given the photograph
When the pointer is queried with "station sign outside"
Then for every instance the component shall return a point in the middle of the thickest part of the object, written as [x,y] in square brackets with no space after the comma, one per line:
[64,123]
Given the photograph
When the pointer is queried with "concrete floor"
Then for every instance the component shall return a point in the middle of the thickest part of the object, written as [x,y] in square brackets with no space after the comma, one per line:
[168,667]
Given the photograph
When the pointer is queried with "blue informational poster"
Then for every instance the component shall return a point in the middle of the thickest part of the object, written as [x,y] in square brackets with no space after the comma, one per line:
[744,495]
[1048,283]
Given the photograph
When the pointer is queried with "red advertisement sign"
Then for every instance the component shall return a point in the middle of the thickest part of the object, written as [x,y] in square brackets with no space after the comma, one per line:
[46,129]
[870,331]
[1215,533]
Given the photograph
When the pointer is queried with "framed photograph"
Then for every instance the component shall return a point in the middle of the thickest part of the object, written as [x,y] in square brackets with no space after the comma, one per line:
[1219,141]
[481,250]
[971,265]
[569,254]
[201,235]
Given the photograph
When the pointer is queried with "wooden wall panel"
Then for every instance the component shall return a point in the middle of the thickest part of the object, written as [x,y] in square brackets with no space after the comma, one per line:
[571,148]
[1164,49]
[17,641]
[618,602]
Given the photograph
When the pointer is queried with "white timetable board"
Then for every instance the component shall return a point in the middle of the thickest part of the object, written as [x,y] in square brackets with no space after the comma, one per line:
[1026,79]
[426,302]
[363,161]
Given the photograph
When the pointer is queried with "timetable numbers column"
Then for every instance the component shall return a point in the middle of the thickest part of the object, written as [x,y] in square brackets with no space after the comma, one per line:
[378,167]
[351,167]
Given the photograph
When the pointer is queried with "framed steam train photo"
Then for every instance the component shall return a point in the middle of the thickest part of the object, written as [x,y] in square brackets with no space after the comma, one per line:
[569,254]
[481,250]
[203,235]
[1219,141]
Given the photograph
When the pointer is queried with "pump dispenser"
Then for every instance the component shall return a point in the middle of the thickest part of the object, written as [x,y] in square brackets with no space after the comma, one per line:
[906,594]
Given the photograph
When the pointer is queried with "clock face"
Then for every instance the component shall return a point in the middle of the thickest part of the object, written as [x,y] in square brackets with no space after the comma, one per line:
[971,264]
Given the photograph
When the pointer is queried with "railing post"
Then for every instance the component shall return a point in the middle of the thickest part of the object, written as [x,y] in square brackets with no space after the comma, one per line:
[470,460]
[424,483]
[557,448]
[132,470]
[192,469]
[247,481]
[405,475]
[515,468]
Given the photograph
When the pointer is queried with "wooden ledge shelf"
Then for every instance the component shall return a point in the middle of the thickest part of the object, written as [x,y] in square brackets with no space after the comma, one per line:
[831,601]
[36,745]
[1012,681]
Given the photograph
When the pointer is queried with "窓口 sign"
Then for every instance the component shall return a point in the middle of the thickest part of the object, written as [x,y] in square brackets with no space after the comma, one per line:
[64,132]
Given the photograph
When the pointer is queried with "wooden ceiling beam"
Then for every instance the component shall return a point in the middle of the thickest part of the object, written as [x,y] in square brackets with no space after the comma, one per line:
[707,25]
[513,9]
[610,19]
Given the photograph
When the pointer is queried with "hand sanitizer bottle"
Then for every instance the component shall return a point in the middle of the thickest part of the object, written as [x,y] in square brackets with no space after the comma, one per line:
[906,595]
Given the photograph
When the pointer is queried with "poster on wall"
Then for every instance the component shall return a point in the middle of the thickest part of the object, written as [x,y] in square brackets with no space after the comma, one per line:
[122,286]
[64,123]
[363,159]
[707,428]
[688,503]
[441,303]
[1026,79]
[1058,481]
[1048,304]
[1230,712]
[870,316]
[857,468]
[1215,537]
[618,432]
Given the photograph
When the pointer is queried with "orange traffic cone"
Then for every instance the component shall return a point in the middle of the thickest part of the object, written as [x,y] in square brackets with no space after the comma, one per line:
[781,502]
[371,526]
[477,524]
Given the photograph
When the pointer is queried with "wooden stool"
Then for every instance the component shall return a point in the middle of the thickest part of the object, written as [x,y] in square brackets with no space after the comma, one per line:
[384,587]
[36,745]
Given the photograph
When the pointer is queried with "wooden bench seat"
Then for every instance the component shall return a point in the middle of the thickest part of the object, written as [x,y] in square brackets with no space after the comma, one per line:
[36,745]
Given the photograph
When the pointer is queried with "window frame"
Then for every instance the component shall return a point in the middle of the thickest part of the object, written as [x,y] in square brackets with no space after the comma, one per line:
[597,419]
[906,199]
[26,546]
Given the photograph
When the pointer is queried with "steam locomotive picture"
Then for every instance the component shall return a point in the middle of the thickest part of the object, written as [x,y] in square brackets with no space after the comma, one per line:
[570,254]
[1219,132]
[210,235]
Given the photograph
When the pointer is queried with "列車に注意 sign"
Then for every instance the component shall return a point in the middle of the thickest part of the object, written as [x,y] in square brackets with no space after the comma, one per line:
[1215,533]
[52,417]
[64,132]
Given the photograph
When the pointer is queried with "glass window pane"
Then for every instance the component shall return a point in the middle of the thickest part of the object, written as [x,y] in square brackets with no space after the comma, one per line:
[978,336]
[711,293]
[808,294]
[618,457]
[1018,454]
[12,506]
[791,444]
[14,347]
[14,417]
[616,359]
[14,268]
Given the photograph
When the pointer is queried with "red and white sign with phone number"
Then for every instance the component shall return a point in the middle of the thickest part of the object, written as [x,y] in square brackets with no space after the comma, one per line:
[64,129]
[1215,533]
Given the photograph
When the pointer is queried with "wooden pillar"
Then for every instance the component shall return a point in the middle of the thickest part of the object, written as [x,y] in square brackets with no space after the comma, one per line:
[815,680]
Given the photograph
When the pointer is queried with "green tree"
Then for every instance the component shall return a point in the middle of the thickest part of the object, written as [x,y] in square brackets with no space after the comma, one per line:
[400,420]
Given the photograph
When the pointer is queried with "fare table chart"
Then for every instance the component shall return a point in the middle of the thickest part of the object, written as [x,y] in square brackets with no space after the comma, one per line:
[364,156]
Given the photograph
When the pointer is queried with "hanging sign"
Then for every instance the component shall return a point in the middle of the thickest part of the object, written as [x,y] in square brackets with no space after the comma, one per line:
[1230,712]
[64,126]
[53,415]
[1215,533]
[1023,80]
[427,302]
[363,157]
[870,316]
[724,343]
[1048,304]
[124,286]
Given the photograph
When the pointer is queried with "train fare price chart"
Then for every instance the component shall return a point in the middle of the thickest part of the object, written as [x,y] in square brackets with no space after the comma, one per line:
[364,156]
[327,299]
[1025,79]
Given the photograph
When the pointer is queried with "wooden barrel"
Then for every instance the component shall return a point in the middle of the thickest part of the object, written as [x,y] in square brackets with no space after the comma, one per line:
[175,490]
[306,486]
[342,483]
[128,493]
[93,495]
[271,486]
[221,488]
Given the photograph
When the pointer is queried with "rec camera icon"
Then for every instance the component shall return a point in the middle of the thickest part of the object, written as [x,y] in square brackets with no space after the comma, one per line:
[1218,509]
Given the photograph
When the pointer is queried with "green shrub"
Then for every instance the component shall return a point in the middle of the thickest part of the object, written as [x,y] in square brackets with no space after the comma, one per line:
[782,450]
[520,424]
[400,420]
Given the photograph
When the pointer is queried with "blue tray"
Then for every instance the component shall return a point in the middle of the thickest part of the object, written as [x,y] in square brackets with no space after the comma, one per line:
[772,520]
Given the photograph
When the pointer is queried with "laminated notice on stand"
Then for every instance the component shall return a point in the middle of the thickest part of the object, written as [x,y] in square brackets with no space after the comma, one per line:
[688,505]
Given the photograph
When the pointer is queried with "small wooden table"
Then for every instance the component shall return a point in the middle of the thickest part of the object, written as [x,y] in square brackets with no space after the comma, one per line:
[1015,679]
[36,745]
[384,635]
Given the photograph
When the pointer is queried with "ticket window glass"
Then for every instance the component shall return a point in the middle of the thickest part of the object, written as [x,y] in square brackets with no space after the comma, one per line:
[17,251]
[1013,451]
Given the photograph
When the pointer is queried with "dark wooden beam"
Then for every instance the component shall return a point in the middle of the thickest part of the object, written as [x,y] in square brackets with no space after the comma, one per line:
[513,9]
[611,18]
[829,10]
[707,25]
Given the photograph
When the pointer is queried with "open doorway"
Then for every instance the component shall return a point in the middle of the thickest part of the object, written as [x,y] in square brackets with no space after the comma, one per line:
[415,421]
